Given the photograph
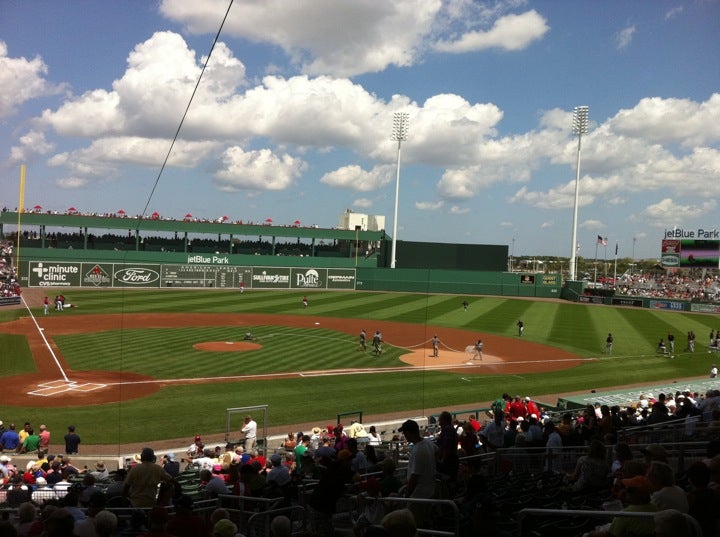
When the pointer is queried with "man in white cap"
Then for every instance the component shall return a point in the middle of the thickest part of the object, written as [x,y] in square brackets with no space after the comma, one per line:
[43,492]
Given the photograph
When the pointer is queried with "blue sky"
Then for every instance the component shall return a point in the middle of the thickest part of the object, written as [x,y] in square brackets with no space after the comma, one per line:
[293,116]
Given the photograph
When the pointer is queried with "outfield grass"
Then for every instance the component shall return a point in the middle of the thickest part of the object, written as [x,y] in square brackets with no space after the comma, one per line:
[186,410]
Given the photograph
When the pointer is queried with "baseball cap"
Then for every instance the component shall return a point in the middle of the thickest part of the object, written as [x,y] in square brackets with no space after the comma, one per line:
[654,450]
[639,482]
[275,458]
[409,425]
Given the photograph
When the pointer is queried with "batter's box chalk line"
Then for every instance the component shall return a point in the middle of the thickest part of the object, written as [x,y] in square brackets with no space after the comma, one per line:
[57,387]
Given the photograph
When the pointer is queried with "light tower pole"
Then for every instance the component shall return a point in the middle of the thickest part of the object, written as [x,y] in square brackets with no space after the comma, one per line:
[399,134]
[579,127]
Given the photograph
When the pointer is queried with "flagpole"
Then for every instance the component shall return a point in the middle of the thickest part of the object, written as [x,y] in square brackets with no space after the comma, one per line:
[615,269]
[605,261]
[595,277]
[21,201]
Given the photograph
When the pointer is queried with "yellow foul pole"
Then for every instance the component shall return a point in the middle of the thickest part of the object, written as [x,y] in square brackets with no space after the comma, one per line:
[21,201]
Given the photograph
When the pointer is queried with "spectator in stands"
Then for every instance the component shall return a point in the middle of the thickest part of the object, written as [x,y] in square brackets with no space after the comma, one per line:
[116,487]
[43,493]
[324,497]
[447,444]
[703,503]
[70,502]
[374,438]
[592,470]
[636,494]
[666,495]
[673,523]
[224,528]
[389,483]
[100,473]
[89,488]
[400,523]
[281,526]
[170,465]
[493,436]
[468,440]
[621,454]
[157,521]
[142,481]
[106,524]
[186,523]
[517,409]
[85,527]
[654,452]
[211,484]
[26,517]
[553,444]
[359,463]
[421,468]
[59,523]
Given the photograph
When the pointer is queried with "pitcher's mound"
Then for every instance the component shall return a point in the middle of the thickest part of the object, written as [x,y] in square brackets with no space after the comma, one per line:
[424,358]
[227,346]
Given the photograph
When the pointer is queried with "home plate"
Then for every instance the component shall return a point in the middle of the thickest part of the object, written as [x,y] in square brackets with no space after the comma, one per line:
[317,323]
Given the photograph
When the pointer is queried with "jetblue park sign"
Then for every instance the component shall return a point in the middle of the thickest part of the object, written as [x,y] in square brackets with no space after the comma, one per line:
[679,233]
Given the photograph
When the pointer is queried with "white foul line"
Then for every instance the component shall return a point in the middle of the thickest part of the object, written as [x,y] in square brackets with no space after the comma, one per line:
[47,344]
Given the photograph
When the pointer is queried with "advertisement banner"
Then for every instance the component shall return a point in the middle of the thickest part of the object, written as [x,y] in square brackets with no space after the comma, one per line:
[550,279]
[590,299]
[136,275]
[705,308]
[54,274]
[97,275]
[270,278]
[670,260]
[671,246]
[667,305]
[634,302]
[309,278]
[341,278]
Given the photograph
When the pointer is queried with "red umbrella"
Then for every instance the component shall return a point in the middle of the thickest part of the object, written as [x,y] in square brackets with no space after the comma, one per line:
[297,222]
[225,218]
[72,209]
[268,220]
[38,207]
[188,215]
[121,211]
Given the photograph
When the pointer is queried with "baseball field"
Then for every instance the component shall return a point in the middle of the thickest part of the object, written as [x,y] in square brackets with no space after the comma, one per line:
[129,366]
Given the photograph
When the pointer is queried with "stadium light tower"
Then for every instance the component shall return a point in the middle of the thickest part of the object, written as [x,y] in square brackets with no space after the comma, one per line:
[579,127]
[399,134]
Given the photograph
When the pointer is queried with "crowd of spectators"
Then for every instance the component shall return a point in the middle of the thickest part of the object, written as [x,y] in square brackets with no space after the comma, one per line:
[176,244]
[9,287]
[120,213]
[318,467]
[678,286]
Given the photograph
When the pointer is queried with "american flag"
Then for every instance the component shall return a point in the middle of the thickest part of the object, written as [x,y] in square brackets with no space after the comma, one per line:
[602,241]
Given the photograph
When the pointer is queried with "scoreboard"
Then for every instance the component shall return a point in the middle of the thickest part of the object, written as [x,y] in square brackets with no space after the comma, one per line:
[204,276]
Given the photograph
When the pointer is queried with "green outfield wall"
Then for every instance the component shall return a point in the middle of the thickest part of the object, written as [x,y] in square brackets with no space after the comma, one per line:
[69,268]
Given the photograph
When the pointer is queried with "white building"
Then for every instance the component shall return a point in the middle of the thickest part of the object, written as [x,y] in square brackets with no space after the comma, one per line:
[367,222]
